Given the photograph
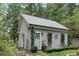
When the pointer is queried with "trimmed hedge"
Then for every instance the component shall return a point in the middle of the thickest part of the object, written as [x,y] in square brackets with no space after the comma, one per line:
[60,49]
[53,50]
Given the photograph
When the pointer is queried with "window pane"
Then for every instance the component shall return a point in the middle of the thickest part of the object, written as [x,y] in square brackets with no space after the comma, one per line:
[37,35]
[56,36]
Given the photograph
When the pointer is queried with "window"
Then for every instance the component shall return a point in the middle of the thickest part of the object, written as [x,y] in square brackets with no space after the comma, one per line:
[37,35]
[62,39]
[56,36]
[49,39]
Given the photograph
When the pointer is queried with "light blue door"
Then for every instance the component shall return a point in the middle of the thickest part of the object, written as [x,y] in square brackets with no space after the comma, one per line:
[37,40]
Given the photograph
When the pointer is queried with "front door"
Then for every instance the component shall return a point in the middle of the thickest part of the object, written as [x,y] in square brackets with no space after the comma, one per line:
[37,40]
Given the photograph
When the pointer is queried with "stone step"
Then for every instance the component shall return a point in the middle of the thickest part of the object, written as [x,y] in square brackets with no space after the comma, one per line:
[24,53]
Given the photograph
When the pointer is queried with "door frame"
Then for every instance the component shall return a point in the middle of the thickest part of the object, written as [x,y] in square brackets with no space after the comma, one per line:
[40,43]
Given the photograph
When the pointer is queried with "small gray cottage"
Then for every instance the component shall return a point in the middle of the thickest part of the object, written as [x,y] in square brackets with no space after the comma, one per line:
[51,33]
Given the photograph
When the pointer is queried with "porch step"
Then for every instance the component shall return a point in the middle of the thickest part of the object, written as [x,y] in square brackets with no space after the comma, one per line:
[24,53]
[20,53]
[29,53]
[39,51]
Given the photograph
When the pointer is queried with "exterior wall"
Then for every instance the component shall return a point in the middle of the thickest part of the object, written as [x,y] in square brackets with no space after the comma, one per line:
[56,43]
[24,30]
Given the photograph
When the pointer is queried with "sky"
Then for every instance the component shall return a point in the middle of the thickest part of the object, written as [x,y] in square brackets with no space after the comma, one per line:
[39,1]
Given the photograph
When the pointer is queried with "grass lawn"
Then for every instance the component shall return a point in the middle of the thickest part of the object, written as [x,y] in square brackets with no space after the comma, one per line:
[62,53]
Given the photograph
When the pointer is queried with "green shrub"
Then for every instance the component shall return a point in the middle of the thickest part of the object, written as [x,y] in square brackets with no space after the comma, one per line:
[48,50]
[57,50]
[21,48]
[34,49]
[71,48]
[6,49]
[43,47]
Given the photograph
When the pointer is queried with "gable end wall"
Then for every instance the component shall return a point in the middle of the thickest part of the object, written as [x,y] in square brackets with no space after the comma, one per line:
[24,30]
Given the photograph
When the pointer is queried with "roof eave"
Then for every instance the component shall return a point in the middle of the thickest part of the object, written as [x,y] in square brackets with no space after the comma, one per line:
[49,27]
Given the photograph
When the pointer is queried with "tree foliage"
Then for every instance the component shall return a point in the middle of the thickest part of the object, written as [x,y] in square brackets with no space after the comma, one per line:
[6,47]
[12,20]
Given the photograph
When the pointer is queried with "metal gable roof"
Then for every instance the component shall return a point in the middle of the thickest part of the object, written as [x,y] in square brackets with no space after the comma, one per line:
[42,22]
